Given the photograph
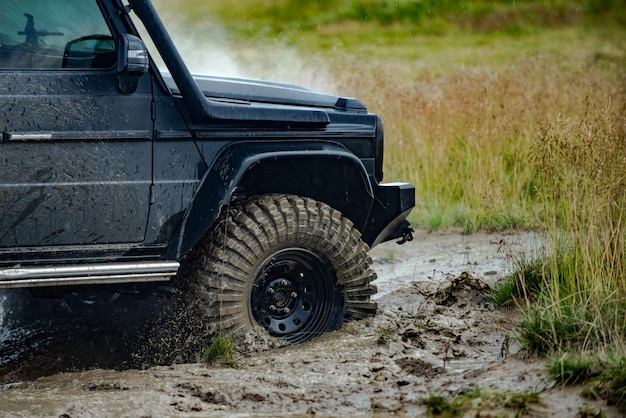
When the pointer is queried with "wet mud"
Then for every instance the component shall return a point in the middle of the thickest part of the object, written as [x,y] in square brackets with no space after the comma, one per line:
[436,333]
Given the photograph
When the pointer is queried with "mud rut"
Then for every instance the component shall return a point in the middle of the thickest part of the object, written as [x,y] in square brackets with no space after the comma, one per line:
[435,333]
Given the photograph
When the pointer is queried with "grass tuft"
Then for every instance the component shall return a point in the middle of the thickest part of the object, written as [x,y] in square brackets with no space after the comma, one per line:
[613,380]
[437,405]
[221,351]
[590,412]
[526,283]
[569,369]
[387,334]
[476,401]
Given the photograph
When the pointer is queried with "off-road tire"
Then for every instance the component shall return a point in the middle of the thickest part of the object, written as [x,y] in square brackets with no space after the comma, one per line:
[291,266]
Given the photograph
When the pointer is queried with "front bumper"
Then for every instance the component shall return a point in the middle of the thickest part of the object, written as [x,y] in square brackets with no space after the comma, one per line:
[392,204]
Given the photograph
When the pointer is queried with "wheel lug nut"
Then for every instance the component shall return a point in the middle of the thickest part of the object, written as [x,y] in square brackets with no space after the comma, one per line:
[284,283]
[294,295]
[287,310]
[272,308]
[270,291]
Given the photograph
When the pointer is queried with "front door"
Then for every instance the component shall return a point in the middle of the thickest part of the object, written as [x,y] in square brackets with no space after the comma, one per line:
[75,152]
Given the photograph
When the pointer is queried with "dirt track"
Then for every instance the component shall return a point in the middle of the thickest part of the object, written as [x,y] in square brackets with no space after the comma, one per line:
[435,333]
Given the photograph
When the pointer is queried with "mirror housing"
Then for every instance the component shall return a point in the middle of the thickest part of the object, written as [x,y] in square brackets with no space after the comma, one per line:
[132,61]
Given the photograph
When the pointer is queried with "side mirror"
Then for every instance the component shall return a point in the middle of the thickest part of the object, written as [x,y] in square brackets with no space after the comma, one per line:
[92,51]
[133,62]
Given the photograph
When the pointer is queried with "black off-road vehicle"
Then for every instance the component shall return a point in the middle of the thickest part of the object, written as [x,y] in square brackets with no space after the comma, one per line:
[267,196]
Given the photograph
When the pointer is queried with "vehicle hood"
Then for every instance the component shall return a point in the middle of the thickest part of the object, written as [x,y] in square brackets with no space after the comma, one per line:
[225,88]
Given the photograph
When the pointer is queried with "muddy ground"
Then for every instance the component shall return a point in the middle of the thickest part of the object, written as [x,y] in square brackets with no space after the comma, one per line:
[436,333]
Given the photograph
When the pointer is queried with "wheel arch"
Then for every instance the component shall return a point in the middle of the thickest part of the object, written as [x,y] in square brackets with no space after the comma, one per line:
[329,174]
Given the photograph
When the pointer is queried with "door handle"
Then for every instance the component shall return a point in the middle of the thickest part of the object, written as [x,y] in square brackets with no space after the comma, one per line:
[6,136]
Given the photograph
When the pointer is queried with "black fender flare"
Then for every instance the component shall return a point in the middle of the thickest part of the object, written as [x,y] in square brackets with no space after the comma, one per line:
[244,171]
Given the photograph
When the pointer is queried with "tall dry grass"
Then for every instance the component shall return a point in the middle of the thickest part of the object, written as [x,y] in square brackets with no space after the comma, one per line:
[539,141]
[460,130]
[583,176]
[580,312]
[465,138]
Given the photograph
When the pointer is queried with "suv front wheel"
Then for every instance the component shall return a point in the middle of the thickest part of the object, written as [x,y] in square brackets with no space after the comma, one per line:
[290,265]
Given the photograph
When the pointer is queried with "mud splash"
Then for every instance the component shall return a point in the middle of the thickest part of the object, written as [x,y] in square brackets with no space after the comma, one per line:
[82,330]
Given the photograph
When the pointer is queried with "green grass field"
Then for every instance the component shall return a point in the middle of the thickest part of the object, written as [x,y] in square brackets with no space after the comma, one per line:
[504,114]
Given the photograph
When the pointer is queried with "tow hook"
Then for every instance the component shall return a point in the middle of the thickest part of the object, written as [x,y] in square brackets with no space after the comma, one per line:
[407,233]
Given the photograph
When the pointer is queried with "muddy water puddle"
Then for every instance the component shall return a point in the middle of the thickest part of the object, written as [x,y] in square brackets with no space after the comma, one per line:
[83,330]
[435,333]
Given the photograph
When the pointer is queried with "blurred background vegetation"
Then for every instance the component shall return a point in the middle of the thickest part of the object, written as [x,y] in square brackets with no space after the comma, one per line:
[465,87]
[288,16]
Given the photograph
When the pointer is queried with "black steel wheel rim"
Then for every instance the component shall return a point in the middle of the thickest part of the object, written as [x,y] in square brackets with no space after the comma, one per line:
[292,296]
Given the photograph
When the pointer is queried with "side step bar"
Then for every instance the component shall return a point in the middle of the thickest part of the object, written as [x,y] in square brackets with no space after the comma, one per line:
[86,274]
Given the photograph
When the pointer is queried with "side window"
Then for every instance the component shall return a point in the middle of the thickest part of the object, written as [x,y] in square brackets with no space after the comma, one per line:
[54,34]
